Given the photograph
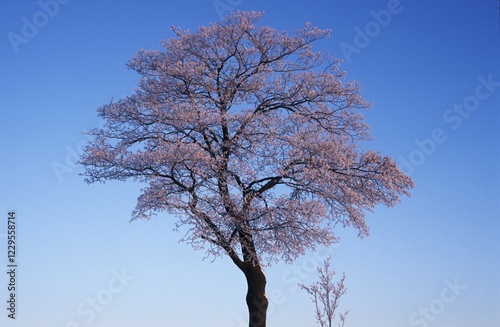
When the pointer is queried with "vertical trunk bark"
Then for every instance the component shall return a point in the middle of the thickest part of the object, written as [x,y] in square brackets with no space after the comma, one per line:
[257,301]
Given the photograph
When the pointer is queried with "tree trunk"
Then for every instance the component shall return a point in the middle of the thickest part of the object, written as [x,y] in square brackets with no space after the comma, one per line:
[257,301]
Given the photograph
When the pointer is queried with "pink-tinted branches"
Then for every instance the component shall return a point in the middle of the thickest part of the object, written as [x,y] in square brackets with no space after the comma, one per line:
[325,295]
[250,137]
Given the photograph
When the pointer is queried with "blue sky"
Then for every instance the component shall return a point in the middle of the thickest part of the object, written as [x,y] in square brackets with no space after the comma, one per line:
[431,70]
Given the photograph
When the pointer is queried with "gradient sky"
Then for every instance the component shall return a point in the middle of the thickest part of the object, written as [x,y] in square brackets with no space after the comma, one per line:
[433,260]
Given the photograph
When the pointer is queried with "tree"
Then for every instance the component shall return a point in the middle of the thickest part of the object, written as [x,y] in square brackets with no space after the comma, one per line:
[251,139]
[325,295]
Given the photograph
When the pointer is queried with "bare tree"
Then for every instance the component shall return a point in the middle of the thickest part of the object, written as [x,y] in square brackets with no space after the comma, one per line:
[251,139]
[325,295]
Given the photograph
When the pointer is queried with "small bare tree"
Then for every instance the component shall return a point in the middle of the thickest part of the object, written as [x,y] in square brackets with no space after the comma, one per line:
[325,294]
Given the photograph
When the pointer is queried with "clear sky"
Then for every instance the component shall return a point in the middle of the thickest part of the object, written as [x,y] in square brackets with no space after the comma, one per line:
[431,70]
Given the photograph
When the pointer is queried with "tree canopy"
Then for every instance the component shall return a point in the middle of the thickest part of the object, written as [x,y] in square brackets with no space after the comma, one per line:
[250,137]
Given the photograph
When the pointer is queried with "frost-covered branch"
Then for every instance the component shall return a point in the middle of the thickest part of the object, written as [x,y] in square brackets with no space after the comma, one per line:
[250,137]
[325,295]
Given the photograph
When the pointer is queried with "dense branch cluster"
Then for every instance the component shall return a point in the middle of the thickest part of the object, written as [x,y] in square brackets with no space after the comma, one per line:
[250,137]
